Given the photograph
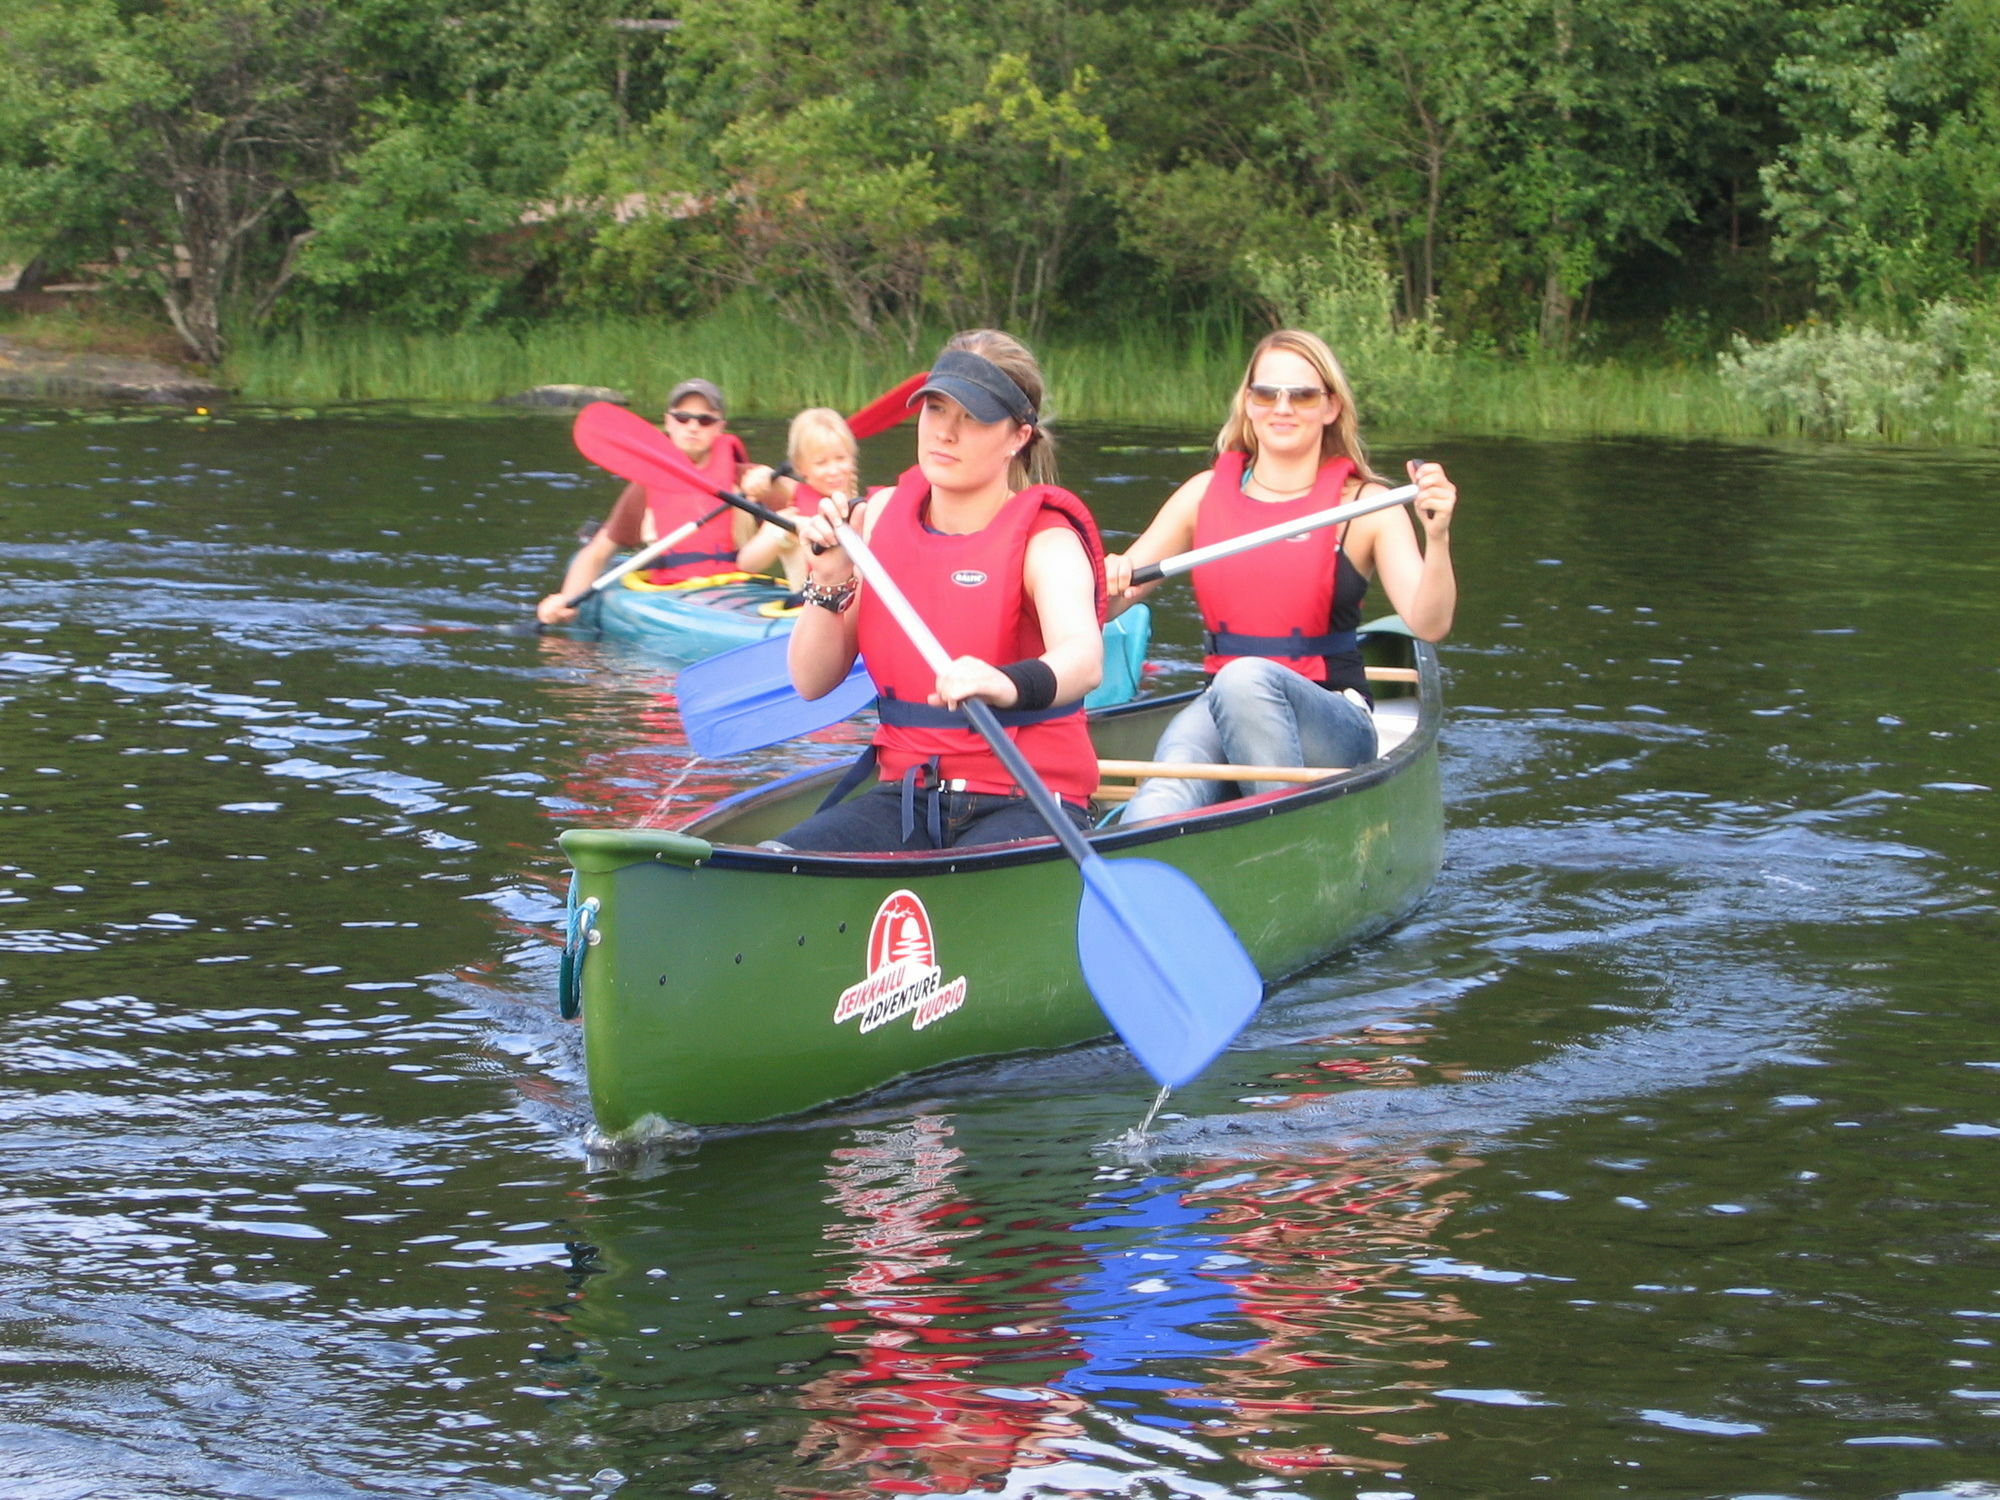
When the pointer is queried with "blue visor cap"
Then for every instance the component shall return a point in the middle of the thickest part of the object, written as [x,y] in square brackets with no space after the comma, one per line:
[980,386]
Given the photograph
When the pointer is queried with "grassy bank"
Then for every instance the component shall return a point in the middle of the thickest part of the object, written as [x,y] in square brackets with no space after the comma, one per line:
[767,367]
[1158,375]
[94,324]
[1149,376]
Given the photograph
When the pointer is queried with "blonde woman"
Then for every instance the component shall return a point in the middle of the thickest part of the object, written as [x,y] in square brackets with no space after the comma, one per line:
[1007,569]
[1286,683]
[826,460]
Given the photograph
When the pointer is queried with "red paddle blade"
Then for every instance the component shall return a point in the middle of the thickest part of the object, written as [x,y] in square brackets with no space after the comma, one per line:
[633,448]
[887,409]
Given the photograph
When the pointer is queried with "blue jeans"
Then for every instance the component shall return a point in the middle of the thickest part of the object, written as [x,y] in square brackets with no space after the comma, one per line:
[1255,713]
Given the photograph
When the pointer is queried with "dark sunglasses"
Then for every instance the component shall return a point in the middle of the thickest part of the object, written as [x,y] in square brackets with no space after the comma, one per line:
[1303,397]
[706,419]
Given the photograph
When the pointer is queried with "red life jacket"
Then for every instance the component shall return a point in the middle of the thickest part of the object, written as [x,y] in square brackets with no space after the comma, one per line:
[1276,601]
[673,506]
[970,590]
[806,499]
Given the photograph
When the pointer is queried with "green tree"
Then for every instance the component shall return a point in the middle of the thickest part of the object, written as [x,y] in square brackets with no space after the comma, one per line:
[1026,161]
[176,139]
[452,202]
[1890,193]
[832,222]
[1375,110]
[1617,126]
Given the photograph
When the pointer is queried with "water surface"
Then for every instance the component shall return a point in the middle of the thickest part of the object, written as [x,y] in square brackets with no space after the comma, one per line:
[1655,1156]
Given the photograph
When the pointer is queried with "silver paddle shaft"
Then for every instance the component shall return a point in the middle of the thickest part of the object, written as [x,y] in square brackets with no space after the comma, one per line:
[639,559]
[1169,567]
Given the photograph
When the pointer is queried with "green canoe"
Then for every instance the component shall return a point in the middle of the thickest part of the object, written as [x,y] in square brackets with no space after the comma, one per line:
[723,984]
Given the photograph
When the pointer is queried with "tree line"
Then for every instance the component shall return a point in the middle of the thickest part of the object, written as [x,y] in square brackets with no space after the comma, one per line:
[1512,174]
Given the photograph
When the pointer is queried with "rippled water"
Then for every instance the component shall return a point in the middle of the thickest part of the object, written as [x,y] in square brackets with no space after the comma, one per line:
[1656,1156]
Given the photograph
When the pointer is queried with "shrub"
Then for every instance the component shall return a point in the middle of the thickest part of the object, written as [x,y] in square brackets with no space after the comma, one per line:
[1859,380]
[1401,370]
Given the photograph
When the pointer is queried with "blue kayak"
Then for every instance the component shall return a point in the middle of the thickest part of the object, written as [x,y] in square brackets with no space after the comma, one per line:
[704,616]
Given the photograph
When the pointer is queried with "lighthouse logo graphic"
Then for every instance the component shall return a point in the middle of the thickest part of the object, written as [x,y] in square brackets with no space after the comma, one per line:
[903,975]
[901,934]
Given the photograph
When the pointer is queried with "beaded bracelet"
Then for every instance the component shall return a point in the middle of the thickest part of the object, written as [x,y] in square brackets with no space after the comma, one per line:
[836,598]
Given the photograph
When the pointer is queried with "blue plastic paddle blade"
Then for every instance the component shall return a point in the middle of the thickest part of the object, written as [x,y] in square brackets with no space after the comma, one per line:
[744,699]
[1169,974]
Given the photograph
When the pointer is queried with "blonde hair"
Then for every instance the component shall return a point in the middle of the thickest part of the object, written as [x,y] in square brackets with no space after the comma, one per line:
[1036,462]
[819,422]
[1341,437]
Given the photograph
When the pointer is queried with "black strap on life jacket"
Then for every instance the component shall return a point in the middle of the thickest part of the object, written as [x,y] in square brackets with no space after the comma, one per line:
[1223,642]
[926,716]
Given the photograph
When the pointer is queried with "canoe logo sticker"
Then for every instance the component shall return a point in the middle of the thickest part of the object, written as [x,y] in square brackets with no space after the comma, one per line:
[969,577]
[903,975]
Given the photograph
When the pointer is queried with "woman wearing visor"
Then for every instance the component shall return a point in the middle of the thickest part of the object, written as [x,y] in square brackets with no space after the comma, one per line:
[1007,569]
[1286,684]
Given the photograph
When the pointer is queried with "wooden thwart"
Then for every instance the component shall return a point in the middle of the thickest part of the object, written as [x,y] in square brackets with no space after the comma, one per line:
[1113,772]
[1139,770]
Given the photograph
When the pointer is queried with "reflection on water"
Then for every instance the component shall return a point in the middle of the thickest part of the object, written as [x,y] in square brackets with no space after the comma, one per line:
[645,776]
[945,1388]
[1312,1261]
[1653,1156]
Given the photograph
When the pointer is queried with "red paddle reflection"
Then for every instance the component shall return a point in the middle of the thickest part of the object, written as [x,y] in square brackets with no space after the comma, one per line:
[632,765]
[943,1393]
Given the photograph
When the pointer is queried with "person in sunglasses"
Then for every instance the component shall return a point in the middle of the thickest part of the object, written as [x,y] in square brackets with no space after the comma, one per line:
[722,542]
[1286,685]
[1007,568]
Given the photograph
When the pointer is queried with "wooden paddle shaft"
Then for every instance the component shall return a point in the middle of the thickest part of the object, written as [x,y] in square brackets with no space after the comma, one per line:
[1192,771]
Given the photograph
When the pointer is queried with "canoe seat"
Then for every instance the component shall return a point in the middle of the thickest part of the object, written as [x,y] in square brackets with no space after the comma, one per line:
[1395,721]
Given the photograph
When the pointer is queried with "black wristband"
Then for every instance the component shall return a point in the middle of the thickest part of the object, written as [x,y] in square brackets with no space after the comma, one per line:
[1034,683]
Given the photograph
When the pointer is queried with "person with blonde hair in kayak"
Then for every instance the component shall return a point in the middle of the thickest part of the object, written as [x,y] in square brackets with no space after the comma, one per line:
[1286,682]
[1007,568]
[695,424]
[824,460]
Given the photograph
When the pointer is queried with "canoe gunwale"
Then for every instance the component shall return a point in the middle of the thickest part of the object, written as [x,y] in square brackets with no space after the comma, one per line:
[1109,841]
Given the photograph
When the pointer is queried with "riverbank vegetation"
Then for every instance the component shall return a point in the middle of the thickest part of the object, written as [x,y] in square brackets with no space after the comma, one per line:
[1722,216]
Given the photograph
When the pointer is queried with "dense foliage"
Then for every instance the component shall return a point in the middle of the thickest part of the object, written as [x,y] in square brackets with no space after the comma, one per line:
[1538,176]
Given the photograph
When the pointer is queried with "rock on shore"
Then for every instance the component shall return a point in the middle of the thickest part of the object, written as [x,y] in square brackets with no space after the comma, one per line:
[563,396]
[44,372]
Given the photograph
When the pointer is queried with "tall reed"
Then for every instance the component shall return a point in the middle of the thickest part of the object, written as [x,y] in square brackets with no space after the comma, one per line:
[766,366]
[1165,374]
